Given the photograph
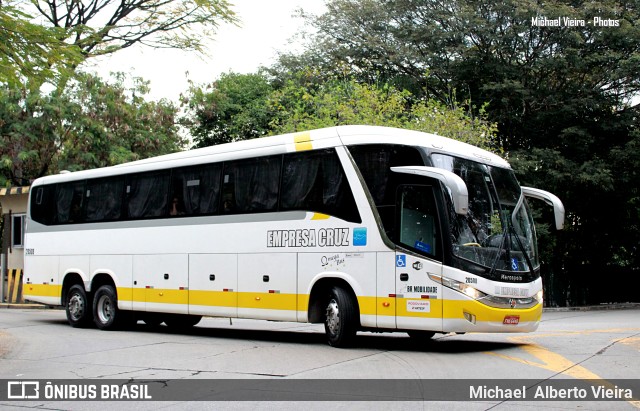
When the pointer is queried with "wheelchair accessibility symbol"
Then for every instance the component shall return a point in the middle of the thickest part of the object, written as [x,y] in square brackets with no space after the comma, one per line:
[401,261]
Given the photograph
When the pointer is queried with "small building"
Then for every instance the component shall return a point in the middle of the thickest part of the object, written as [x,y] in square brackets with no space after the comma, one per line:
[13,205]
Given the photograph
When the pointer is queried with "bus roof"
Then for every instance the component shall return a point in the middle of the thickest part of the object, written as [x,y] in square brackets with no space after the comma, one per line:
[314,139]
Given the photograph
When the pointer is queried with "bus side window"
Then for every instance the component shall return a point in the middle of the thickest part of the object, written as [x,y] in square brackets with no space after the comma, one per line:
[374,162]
[42,207]
[147,195]
[315,181]
[68,202]
[196,190]
[418,219]
[104,199]
[251,186]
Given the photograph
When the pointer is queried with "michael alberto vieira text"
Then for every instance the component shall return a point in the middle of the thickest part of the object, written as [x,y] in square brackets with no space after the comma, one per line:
[547,392]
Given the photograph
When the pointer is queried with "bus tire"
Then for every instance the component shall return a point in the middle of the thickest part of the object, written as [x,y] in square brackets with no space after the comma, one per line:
[340,322]
[182,321]
[78,307]
[106,314]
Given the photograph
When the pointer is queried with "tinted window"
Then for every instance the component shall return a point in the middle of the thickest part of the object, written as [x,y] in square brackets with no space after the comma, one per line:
[418,217]
[195,190]
[315,181]
[374,162]
[69,199]
[147,195]
[251,186]
[42,204]
[104,199]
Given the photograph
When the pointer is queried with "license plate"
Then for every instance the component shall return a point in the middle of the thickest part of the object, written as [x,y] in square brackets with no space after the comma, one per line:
[511,320]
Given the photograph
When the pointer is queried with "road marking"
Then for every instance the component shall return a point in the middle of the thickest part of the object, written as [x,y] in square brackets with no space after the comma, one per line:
[632,342]
[555,362]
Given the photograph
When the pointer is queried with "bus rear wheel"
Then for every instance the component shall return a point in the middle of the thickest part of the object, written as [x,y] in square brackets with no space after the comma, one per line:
[340,323]
[106,314]
[78,307]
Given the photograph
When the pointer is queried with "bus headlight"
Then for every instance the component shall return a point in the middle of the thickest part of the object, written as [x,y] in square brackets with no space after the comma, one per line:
[473,293]
[459,286]
[539,297]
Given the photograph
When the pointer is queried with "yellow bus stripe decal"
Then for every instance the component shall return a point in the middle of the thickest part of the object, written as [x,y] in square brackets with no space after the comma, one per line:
[368,305]
[302,141]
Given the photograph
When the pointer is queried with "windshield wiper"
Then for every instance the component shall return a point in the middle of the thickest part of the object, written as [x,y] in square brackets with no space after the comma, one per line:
[508,228]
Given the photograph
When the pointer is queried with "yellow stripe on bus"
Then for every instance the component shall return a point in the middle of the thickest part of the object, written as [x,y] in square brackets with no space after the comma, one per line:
[213,298]
[386,306]
[455,309]
[303,141]
[267,301]
[43,290]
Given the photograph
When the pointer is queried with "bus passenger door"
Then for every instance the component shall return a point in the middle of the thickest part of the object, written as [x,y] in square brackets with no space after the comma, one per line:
[417,260]
[267,285]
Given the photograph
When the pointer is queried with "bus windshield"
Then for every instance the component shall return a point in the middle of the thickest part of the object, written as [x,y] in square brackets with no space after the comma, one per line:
[498,231]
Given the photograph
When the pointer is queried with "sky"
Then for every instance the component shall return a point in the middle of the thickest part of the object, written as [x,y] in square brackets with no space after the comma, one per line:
[265,28]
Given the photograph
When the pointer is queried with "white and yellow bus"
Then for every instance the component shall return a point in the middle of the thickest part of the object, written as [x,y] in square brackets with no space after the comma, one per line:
[357,227]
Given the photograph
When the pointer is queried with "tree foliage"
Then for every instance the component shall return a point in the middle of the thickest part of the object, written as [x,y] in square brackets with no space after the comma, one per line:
[235,107]
[32,53]
[92,124]
[105,26]
[46,41]
[243,106]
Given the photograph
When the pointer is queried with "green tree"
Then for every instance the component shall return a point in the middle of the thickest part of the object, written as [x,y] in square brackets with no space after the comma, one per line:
[92,124]
[245,106]
[32,53]
[235,107]
[305,104]
[72,31]
[69,32]
[101,27]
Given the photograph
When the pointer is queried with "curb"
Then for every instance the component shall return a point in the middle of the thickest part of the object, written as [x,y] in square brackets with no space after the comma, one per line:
[601,307]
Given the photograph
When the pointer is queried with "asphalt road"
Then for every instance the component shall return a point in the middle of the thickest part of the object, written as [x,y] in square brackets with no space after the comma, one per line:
[576,346]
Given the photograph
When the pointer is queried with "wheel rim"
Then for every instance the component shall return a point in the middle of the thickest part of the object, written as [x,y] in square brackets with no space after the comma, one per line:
[333,317]
[76,307]
[105,309]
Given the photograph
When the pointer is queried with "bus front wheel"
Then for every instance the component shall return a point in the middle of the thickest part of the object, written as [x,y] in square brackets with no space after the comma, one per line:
[106,314]
[340,323]
[78,307]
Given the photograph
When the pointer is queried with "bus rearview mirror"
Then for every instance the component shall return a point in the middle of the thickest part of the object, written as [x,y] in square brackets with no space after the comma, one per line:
[551,199]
